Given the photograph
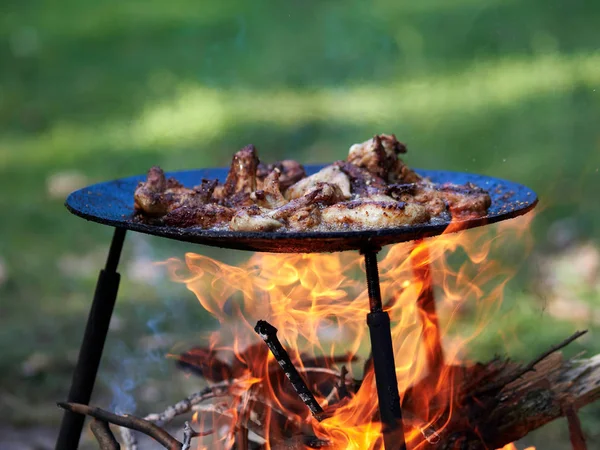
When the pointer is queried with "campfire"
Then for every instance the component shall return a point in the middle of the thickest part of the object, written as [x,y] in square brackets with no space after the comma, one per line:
[293,366]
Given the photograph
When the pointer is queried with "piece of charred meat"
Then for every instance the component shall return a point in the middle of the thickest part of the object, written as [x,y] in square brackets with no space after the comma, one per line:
[149,195]
[291,172]
[204,216]
[379,156]
[270,195]
[460,201]
[465,200]
[322,194]
[158,195]
[241,179]
[253,218]
[362,181]
[205,190]
[332,175]
[361,214]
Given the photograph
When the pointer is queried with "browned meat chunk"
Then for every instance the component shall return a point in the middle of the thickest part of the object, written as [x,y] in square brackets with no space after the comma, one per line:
[331,175]
[291,172]
[205,190]
[270,195]
[241,179]
[460,201]
[321,195]
[203,216]
[361,214]
[362,181]
[253,218]
[149,195]
[466,201]
[379,156]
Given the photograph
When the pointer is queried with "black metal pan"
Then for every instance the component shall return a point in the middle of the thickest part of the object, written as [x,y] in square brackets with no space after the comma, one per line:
[111,203]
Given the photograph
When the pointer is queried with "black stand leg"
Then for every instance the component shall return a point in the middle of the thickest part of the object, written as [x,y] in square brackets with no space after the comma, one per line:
[92,345]
[383,360]
[426,304]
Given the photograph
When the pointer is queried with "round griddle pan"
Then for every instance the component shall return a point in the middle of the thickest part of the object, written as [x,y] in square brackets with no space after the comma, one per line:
[111,203]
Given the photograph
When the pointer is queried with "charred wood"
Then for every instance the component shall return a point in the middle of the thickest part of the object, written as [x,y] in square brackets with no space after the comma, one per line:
[505,416]
[268,333]
[104,436]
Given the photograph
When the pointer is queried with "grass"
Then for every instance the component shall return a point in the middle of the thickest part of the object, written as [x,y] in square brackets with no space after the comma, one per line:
[108,88]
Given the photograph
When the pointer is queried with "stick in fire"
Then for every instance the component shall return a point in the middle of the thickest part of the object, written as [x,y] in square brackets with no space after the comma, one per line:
[103,434]
[268,333]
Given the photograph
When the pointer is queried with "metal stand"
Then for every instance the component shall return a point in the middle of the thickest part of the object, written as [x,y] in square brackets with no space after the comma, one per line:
[426,304]
[92,345]
[383,359]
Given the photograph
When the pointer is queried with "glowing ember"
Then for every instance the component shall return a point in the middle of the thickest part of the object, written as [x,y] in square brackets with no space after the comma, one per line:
[319,303]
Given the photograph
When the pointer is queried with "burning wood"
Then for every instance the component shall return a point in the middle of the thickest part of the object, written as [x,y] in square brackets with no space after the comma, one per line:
[501,412]
[268,333]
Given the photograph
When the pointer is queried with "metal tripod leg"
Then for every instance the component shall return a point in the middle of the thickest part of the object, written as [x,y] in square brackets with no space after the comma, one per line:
[92,345]
[383,360]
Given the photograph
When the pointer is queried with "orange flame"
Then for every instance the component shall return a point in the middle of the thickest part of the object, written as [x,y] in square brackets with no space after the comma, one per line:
[514,447]
[319,303]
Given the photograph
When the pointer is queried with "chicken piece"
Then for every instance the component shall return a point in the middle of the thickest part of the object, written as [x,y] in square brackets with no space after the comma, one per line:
[204,216]
[149,195]
[465,200]
[460,201]
[304,218]
[362,182]
[205,190]
[253,218]
[375,157]
[270,195]
[378,197]
[379,156]
[331,175]
[322,194]
[364,214]
[291,172]
[241,179]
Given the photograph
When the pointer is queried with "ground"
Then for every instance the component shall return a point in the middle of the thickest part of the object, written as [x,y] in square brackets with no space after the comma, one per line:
[96,90]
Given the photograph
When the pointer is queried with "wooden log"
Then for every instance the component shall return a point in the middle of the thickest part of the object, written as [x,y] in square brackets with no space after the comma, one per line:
[524,405]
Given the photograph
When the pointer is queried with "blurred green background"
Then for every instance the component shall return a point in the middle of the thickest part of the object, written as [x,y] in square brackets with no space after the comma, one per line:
[94,90]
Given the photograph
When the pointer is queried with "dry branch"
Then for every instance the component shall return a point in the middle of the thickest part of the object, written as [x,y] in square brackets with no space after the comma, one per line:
[134,423]
[106,440]
[184,406]
[189,433]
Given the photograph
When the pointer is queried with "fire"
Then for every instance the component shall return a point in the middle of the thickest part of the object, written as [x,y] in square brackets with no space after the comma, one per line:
[319,303]
[514,447]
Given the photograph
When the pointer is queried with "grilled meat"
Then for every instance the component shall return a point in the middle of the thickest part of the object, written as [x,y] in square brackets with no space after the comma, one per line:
[158,195]
[253,218]
[291,172]
[241,179]
[379,156]
[330,174]
[361,214]
[270,195]
[373,188]
[362,181]
[203,216]
[460,201]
